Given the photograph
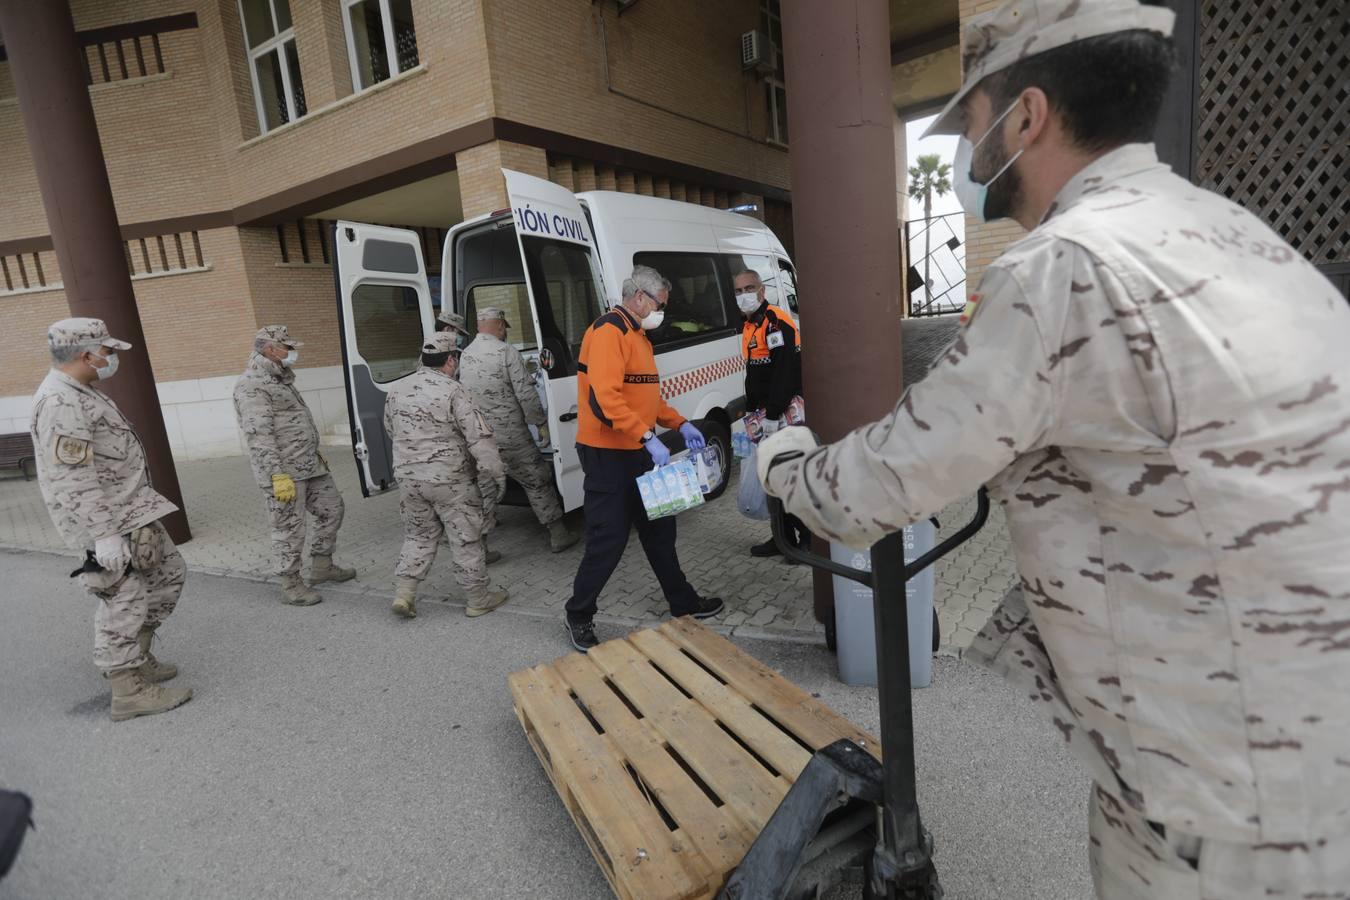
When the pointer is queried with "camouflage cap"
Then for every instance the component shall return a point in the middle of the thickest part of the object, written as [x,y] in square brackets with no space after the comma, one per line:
[277,334]
[453,319]
[441,342]
[82,332]
[493,312]
[993,41]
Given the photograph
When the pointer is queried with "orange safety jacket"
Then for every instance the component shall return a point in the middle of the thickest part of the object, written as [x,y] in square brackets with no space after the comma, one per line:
[618,388]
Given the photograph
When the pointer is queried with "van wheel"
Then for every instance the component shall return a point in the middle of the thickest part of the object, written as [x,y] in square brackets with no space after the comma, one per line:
[718,437]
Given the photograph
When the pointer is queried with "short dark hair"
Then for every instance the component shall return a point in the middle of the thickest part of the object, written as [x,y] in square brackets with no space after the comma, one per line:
[437,360]
[1107,89]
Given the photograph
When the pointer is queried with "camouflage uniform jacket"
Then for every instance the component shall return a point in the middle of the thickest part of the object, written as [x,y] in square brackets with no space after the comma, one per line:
[1155,387]
[91,465]
[439,436]
[276,423]
[495,372]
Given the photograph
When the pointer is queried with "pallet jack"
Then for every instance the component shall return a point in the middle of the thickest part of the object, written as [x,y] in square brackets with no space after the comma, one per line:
[846,810]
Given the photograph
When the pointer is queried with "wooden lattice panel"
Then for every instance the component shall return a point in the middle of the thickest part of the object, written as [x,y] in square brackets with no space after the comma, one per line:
[1273,103]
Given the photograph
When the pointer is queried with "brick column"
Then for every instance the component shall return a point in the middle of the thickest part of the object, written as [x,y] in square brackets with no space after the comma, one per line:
[58,117]
[481,187]
[322,44]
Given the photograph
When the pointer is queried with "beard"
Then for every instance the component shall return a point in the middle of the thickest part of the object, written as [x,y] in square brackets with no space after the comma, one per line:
[1004,194]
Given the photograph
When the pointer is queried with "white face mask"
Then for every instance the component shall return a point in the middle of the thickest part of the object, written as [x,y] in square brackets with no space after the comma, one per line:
[109,369]
[653,319]
[748,301]
[290,359]
[969,192]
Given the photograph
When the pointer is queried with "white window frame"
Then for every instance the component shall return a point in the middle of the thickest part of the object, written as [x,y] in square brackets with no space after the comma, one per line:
[276,45]
[390,45]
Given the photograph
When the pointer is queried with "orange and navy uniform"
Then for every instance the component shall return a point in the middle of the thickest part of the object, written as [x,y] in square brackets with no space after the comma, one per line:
[773,368]
[618,388]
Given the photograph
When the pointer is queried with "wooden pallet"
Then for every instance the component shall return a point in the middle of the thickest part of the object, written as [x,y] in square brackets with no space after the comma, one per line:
[671,748]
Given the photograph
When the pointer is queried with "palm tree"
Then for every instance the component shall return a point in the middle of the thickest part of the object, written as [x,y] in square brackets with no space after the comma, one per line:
[931,176]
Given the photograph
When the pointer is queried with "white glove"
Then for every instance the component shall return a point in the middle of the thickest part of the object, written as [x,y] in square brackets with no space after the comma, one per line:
[113,553]
[787,440]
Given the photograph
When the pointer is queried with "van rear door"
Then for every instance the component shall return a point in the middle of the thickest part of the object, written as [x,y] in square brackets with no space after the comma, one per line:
[562,275]
[384,314]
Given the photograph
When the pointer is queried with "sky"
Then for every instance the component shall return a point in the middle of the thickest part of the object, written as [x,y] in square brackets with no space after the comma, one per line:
[942,144]
[947,268]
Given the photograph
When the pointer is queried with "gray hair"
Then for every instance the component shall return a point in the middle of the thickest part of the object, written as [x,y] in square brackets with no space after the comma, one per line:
[644,279]
[66,353]
[261,344]
[758,279]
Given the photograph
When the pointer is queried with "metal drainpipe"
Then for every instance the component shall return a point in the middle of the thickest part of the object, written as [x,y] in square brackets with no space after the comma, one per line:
[844,215]
[58,117]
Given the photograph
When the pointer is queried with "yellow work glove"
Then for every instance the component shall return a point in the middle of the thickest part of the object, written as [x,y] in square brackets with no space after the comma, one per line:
[283,488]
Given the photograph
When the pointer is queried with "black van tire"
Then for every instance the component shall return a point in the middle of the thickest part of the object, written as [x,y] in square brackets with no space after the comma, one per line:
[719,436]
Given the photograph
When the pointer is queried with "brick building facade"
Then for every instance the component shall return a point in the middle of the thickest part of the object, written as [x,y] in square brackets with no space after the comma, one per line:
[236,131]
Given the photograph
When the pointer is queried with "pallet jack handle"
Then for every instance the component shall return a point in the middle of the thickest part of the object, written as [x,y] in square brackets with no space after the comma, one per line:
[901,864]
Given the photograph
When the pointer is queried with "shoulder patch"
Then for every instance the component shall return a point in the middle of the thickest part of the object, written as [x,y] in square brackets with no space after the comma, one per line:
[972,305]
[71,451]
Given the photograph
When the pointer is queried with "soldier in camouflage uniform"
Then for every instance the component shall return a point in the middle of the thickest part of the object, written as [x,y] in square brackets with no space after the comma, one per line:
[505,393]
[448,470]
[1154,386]
[283,445]
[92,470]
[454,322]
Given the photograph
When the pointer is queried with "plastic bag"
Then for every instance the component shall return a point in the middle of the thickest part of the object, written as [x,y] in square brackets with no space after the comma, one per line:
[750,497]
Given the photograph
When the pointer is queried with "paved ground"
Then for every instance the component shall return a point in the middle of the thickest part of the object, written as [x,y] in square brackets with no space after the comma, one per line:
[764,597]
[339,752]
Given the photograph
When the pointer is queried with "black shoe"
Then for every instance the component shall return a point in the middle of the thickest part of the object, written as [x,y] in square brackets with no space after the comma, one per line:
[582,634]
[768,548]
[707,607]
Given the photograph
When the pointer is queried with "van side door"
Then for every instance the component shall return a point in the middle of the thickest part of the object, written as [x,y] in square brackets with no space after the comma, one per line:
[562,275]
[384,314]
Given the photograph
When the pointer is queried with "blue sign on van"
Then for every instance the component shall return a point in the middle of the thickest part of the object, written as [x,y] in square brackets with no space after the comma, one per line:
[549,224]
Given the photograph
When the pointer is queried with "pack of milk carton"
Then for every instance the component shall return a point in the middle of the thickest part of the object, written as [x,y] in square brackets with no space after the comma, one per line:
[678,485]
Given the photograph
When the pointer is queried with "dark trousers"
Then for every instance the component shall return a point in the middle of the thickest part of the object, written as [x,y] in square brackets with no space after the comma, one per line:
[613,506]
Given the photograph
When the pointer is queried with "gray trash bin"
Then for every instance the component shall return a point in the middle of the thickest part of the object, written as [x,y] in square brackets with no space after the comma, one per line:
[855,624]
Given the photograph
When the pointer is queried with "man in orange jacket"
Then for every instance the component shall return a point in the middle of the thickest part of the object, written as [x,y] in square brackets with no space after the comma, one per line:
[619,407]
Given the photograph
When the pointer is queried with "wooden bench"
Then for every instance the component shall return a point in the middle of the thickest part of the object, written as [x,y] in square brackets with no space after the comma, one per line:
[16,452]
[670,749]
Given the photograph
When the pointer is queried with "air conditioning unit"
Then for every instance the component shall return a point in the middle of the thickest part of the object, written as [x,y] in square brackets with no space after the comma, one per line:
[757,53]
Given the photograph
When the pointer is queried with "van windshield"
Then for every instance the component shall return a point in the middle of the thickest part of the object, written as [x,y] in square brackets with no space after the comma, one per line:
[566,292]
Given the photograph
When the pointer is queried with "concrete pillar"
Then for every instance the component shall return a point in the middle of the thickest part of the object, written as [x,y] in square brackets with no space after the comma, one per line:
[58,117]
[481,186]
[842,161]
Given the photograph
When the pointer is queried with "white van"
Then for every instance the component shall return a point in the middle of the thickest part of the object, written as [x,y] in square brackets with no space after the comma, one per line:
[555,262]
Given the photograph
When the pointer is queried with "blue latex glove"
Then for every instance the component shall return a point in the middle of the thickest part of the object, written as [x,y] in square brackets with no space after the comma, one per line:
[659,451]
[693,438]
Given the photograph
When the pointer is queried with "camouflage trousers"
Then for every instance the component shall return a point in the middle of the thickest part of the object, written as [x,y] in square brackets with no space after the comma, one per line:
[320,498]
[430,510]
[1131,859]
[533,473]
[128,603]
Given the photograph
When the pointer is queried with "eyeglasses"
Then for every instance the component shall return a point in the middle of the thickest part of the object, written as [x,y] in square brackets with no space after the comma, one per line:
[659,304]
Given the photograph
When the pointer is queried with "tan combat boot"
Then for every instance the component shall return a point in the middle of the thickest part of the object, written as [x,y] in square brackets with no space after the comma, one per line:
[322,568]
[487,604]
[133,696]
[297,592]
[152,669]
[560,537]
[491,555]
[405,597]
